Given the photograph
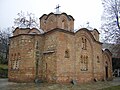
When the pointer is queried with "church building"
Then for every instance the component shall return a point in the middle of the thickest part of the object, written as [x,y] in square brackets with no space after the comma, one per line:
[58,54]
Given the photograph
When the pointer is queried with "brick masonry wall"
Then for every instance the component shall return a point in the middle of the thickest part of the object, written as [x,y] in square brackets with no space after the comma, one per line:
[51,21]
[84,74]
[22,58]
[65,61]
[57,56]
[49,57]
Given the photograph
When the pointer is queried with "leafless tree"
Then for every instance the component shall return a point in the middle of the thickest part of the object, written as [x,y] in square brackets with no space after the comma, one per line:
[4,42]
[111,21]
[26,20]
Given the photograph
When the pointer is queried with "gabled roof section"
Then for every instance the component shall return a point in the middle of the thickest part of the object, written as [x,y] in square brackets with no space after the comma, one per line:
[68,16]
[20,29]
[49,15]
[34,30]
[96,30]
[15,29]
[71,17]
[86,30]
[108,53]
[43,16]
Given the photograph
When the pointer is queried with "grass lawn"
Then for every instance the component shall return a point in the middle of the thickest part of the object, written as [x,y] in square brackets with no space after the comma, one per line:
[112,88]
[4,66]
[3,70]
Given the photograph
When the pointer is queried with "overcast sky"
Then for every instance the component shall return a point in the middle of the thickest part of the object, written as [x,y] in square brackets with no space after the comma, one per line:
[82,10]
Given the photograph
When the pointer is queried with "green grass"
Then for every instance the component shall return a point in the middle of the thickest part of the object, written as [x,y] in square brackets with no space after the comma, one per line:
[112,88]
[4,66]
[3,71]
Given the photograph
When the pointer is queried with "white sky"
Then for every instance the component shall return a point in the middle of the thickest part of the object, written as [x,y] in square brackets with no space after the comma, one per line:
[82,10]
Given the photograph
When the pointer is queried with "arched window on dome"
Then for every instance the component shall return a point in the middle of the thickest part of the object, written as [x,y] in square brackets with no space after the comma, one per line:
[63,24]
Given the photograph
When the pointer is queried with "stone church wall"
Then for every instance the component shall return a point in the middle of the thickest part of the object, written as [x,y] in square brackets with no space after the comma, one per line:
[59,55]
[84,57]
[65,57]
[98,61]
[22,59]
[49,57]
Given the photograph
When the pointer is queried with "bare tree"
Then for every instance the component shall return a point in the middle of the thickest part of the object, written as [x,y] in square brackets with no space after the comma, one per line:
[111,21]
[4,42]
[26,20]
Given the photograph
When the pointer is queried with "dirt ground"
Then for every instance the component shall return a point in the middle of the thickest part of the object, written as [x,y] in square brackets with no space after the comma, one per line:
[5,85]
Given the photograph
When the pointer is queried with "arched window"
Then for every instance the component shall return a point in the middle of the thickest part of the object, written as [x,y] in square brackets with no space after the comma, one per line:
[11,57]
[106,63]
[37,45]
[81,59]
[67,54]
[84,63]
[19,57]
[15,61]
[98,61]
[51,21]
[84,44]
[63,24]
[15,56]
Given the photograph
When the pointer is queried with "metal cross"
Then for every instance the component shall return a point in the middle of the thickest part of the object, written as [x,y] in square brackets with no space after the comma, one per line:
[57,8]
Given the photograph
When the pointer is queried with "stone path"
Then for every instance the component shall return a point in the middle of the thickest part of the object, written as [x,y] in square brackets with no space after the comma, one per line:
[5,85]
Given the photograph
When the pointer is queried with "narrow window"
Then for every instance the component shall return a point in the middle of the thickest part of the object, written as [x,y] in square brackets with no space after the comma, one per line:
[18,61]
[81,65]
[15,56]
[81,59]
[82,43]
[14,64]
[63,24]
[85,44]
[19,57]
[37,46]
[86,62]
[51,21]
[11,56]
[67,54]
[17,64]
[98,61]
